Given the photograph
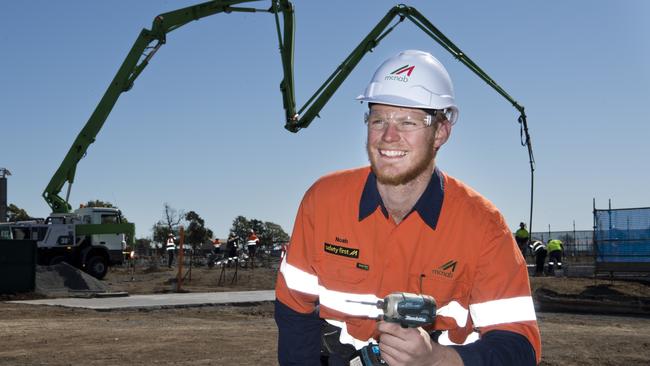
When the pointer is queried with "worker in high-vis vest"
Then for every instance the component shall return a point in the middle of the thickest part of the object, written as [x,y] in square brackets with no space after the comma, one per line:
[251,244]
[539,251]
[403,225]
[170,247]
[522,236]
[555,248]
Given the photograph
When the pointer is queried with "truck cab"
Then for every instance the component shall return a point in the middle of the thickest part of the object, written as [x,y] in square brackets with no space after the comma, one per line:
[115,243]
[5,232]
[85,239]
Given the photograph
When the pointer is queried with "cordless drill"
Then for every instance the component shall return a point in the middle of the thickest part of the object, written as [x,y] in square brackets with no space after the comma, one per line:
[409,310]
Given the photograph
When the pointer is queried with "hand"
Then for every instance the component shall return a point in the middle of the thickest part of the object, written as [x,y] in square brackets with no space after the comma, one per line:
[412,346]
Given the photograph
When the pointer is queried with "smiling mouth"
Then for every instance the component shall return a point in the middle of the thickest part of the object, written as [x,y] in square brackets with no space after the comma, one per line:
[392,153]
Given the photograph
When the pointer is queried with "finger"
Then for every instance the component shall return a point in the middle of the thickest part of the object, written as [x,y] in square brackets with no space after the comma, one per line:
[392,356]
[407,346]
[395,347]
[405,356]
[399,339]
[393,329]
[385,327]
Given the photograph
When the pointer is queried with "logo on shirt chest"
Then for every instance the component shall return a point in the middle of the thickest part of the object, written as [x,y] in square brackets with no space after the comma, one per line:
[341,250]
[447,269]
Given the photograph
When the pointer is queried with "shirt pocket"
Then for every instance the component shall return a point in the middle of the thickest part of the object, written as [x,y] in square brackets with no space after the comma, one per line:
[341,275]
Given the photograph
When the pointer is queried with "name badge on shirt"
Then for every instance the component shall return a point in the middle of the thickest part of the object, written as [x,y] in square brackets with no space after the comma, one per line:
[341,250]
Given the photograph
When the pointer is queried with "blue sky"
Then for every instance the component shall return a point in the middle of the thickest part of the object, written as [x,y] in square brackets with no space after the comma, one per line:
[202,129]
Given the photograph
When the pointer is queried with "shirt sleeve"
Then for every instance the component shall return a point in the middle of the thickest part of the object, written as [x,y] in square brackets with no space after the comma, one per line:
[297,284]
[500,298]
[299,336]
[498,348]
[296,314]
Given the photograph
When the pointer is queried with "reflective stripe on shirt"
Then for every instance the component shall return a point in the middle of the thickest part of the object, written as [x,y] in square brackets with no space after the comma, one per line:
[298,279]
[444,340]
[511,310]
[346,338]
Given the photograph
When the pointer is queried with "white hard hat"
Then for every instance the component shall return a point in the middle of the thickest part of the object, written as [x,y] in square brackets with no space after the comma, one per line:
[413,79]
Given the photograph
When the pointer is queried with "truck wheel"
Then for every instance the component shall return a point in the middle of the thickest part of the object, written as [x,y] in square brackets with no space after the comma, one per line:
[97,266]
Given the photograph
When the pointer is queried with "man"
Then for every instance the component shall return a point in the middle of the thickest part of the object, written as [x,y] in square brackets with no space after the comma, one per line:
[401,225]
[231,247]
[170,246]
[555,248]
[251,244]
[539,251]
[216,246]
[521,236]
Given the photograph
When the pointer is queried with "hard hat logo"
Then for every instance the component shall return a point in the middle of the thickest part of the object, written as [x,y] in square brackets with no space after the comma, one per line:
[403,69]
[406,68]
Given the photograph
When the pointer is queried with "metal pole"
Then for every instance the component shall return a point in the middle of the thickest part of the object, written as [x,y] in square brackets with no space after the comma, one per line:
[594,235]
[3,194]
[609,213]
[179,276]
[575,241]
[3,199]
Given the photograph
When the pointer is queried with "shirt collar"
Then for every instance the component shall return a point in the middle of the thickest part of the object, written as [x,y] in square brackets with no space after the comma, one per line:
[428,205]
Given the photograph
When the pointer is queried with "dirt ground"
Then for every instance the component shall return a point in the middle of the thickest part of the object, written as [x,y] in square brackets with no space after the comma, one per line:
[246,335]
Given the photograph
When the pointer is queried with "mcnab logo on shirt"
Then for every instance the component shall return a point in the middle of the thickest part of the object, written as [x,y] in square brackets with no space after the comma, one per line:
[446,270]
[340,250]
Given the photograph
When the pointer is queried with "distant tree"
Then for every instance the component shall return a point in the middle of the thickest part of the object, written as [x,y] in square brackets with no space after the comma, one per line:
[172,218]
[274,233]
[15,213]
[196,233]
[240,227]
[159,236]
[258,226]
[268,232]
[161,231]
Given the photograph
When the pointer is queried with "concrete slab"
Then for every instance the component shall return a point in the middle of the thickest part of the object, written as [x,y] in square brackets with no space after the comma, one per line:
[158,301]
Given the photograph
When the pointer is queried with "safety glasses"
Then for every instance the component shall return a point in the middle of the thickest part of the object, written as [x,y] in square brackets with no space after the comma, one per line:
[403,121]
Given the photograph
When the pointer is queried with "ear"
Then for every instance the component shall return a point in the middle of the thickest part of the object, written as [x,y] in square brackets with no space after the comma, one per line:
[443,131]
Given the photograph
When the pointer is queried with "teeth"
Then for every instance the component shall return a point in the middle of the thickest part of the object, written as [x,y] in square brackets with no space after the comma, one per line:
[392,153]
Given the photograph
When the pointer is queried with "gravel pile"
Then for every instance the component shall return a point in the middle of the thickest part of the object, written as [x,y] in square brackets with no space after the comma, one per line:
[65,279]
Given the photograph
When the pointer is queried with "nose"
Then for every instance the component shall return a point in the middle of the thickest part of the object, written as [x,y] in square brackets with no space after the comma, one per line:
[390,134]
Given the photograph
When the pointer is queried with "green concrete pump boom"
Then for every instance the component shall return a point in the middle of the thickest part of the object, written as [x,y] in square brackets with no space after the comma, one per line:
[149,41]
[144,48]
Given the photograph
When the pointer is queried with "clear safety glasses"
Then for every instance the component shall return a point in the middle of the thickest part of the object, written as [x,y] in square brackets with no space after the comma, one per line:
[403,121]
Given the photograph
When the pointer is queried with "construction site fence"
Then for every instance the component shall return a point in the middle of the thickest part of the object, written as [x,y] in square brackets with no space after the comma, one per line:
[577,243]
[622,238]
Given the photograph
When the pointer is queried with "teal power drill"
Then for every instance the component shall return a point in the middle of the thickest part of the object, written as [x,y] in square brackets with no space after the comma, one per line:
[406,309]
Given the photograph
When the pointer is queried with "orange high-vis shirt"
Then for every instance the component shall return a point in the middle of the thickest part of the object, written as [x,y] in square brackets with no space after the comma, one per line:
[346,253]
[252,240]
